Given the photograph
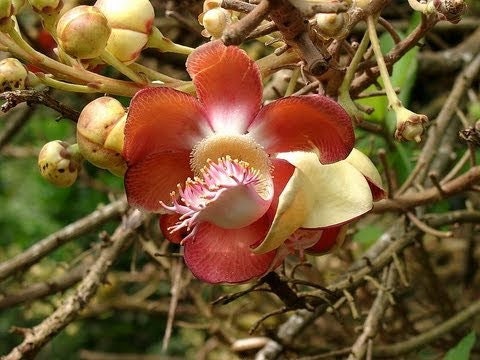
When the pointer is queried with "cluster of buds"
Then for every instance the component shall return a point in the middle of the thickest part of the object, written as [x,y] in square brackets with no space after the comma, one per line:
[100,134]
[214,19]
[60,163]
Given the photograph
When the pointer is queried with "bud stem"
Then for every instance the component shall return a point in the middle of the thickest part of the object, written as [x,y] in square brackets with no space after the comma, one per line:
[107,57]
[156,40]
[344,90]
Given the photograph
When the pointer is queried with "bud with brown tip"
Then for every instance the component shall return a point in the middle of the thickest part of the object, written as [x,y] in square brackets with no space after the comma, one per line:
[59,163]
[100,134]
[410,125]
[13,75]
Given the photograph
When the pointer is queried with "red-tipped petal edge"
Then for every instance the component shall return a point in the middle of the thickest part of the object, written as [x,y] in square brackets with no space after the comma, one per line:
[311,122]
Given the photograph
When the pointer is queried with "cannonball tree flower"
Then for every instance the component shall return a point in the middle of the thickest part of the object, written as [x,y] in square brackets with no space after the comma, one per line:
[239,202]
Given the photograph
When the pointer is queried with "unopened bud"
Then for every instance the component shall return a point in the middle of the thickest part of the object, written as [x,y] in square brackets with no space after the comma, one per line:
[215,21]
[46,6]
[13,75]
[7,9]
[100,134]
[59,163]
[330,25]
[83,32]
[410,125]
[131,23]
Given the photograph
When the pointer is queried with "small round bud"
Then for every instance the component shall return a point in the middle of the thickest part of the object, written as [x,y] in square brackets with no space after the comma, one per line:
[59,163]
[330,25]
[131,23]
[83,32]
[13,75]
[214,21]
[46,6]
[100,134]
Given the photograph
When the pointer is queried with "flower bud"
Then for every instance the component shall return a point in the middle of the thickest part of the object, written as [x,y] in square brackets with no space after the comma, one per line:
[215,21]
[59,163]
[410,126]
[7,9]
[330,25]
[13,75]
[46,6]
[131,23]
[100,134]
[83,32]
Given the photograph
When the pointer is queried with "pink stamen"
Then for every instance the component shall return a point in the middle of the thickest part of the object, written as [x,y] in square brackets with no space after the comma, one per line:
[198,193]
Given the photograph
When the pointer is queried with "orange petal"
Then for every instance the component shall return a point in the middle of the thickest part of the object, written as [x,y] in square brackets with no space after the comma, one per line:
[153,179]
[305,123]
[162,119]
[228,83]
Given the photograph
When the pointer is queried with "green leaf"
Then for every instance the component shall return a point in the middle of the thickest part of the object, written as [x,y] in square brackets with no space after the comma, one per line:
[461,351]
[367,236]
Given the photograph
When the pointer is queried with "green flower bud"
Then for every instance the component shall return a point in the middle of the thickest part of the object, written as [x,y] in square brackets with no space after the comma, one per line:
[100,134]
[131,23]
[8,8]
[59,163]
[13,75]
[46,6]
[83,32]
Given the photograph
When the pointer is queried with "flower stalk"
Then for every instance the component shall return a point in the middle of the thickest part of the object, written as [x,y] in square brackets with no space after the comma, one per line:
[410,126]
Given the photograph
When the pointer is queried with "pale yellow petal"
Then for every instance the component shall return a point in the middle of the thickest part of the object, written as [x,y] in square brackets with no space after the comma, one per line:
[339,191]
[363,164]
[294,205]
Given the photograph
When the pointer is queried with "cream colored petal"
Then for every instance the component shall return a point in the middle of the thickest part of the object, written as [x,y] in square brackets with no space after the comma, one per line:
[363,164]
[294,205]
[339,191]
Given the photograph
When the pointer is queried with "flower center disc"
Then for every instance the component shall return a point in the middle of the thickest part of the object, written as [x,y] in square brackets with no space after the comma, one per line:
[237,147]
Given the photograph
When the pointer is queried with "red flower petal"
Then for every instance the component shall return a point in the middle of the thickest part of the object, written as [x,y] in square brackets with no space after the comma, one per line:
[168,220]
[331,238]
[217,255]
[153,179]
[228,84]
[162,119]
[311,122]
[378,193]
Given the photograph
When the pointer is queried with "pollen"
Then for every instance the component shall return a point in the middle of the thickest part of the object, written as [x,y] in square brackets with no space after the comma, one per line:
[241,148]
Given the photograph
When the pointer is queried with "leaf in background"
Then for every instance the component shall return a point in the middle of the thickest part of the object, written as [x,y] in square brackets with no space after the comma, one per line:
[367,236]
[461,351]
